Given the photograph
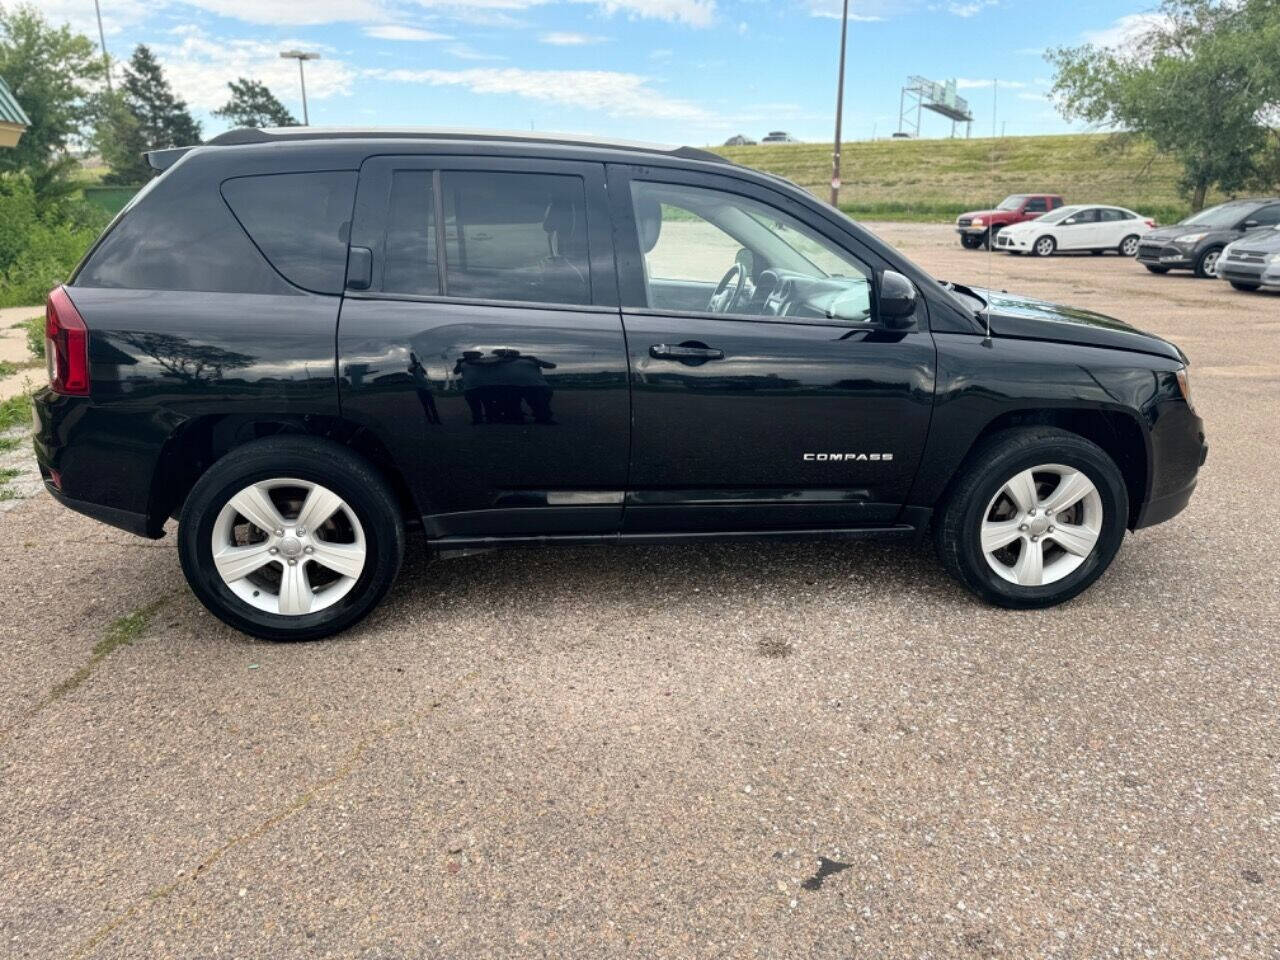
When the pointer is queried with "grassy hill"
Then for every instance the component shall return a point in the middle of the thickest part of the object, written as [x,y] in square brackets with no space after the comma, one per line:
[937,179]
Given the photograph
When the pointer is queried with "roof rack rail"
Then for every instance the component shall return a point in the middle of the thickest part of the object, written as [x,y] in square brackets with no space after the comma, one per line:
[250,135]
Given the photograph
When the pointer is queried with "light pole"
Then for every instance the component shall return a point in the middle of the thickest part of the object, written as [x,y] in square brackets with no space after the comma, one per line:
[835,156]
[102,40]
[300,56]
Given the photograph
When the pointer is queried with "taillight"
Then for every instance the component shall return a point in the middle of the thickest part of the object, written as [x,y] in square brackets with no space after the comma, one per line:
[66,346]
[1151,224]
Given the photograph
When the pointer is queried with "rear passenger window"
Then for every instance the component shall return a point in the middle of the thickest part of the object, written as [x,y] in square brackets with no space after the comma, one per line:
[409,265]
[516,236]
[300,222]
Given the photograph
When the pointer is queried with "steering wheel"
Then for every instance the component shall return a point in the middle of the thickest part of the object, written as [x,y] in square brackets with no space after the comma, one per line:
[728,289]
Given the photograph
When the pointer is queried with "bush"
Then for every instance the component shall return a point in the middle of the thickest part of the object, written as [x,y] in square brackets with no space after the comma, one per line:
[40,245]
[35,336]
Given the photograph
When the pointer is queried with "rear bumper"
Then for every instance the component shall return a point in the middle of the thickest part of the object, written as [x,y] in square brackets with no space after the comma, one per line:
[127,520]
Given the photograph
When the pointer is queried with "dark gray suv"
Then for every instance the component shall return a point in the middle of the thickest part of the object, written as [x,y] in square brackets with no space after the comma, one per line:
[1196,243]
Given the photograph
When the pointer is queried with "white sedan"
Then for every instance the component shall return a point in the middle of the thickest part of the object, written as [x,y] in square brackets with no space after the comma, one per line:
[1077,227]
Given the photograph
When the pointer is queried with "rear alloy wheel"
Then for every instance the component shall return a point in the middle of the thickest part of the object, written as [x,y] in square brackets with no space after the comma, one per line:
[1036,517]
[1045,246]
[1129,246]
[290,538]
[1208,263]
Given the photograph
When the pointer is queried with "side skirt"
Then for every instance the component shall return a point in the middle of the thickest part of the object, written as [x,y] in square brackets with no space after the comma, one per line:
[894,531]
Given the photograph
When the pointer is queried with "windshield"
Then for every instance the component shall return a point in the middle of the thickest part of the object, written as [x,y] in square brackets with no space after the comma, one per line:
[1058,215]
[1013,203]
[1223,215]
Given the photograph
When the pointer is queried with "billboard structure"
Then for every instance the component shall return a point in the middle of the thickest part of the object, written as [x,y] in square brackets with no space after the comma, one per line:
[921,94]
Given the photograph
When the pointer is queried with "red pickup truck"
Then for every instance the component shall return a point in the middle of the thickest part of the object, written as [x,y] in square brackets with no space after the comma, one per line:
[977,227]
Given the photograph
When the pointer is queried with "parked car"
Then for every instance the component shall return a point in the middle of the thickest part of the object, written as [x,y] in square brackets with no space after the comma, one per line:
[1253,261]
[304,343]
[1078,227]
[778,136]
[977,227]
[1196,243]
[739,140]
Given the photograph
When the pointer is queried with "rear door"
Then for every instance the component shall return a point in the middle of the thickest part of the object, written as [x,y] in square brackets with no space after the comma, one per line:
[761,407]
[480,341]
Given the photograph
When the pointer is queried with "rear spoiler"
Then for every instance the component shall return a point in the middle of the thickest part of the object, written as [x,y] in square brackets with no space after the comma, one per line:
[161,160]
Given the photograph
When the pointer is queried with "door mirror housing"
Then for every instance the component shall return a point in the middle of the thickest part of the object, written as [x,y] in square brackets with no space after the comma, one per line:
[1250,224]
[898,299]
[1070,221]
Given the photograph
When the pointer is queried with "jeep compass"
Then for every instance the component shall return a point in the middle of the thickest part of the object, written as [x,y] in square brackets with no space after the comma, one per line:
[302,344]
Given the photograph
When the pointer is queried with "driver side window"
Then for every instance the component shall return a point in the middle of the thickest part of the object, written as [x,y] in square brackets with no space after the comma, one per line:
[711,251]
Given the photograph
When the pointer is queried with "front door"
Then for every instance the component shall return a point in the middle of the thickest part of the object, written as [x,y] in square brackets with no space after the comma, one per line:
[765,393]
[482,345]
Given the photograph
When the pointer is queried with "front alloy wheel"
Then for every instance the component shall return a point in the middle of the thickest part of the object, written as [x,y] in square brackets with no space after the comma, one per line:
[1035,515]
[1042,525]
[1045,246]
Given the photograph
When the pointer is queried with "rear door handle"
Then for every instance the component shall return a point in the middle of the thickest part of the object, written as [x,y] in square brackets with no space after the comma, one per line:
[685,352]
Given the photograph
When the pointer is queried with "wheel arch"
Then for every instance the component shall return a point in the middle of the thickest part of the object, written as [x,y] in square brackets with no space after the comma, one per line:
[198,443]
[1118,432]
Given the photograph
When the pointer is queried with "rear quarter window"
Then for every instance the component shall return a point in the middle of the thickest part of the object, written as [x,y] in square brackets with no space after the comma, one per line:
[300,222]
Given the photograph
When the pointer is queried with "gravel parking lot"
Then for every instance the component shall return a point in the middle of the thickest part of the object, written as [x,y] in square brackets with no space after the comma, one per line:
[813,750]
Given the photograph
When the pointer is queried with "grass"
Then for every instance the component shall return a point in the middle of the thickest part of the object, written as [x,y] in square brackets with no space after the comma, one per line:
[119,633]
[938,179]
[35,336]
[15,412]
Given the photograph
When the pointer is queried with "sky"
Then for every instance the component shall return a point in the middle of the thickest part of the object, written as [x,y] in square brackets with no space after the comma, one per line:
[669,71]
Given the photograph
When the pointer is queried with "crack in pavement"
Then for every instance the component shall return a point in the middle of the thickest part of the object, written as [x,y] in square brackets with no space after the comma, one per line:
[297,805]
[121,632]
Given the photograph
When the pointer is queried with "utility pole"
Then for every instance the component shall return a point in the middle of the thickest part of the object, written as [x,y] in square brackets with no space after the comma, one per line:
[102,41]
[835,156]
[995,104]
[302,80]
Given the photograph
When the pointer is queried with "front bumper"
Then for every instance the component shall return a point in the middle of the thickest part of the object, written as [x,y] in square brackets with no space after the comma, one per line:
[1167,255]
[1016,243]
[1264,274]
[971,231]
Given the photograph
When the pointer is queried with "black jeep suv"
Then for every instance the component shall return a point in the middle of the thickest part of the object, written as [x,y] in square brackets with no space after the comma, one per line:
[301,343]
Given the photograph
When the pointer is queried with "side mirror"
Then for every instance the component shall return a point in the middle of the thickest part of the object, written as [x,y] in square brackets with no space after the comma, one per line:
[1250,224]
[898,300]
[1070,222]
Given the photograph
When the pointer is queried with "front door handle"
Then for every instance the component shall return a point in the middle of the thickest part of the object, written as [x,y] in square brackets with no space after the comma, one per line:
[691,351]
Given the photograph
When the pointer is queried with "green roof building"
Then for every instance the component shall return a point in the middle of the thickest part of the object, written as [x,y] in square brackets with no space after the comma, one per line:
[13,119]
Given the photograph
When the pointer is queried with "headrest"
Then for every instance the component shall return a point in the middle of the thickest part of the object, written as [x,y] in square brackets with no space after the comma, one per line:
[559,219]
[648,222]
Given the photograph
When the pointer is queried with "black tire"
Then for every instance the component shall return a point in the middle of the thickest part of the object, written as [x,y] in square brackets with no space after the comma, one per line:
[1097,253]
[970,243]
[957,530]
[308,459]
[1247,287]
[1204,266]
[989,238]
[1154,269]
[1041,249]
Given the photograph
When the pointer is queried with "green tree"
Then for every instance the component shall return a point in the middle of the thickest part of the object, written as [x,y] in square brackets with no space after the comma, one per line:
[144,114]
[1199,83]
[253,105]
[52,73]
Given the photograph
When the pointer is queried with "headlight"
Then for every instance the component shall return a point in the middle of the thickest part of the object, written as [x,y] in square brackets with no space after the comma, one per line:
[1191,238]
[1184,384]
[977,222]
[1274,258]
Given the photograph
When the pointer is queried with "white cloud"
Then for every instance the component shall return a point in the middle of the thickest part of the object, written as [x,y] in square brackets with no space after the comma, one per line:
[200,66]
[1125,31]
[610,92]
[465,51]
[559,38]
[116,16]
[290,13]
[966,9]
[966,83]
[395,31]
